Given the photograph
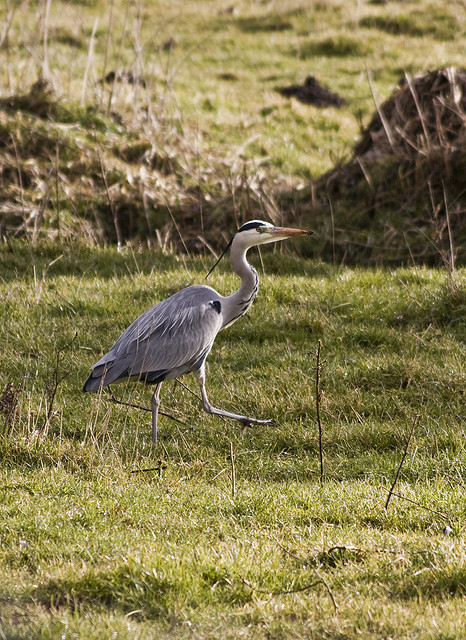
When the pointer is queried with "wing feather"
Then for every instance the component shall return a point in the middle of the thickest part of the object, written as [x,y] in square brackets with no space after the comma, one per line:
[168,339]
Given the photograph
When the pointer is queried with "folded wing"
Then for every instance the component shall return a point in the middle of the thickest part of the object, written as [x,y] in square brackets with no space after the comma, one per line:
[170,339]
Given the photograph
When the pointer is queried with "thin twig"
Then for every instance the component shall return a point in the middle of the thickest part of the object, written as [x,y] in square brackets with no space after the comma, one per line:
[139,406]
[418,504]
[150,235]
[418,108]
[39,217]
[175,224]
[185,442]
[20,181]
[306,562]
[333,230]
[160,468]
[52,388]
[282,592]
[390,493]
[109,40]
[118,59]
[109,198]
[382,117]
[8,23]
[318,400]
[233,472]
[288,552]
[193,393]
[45,71]
[365,172]
[88,63]
[450,237]
[208,246]
[57,184]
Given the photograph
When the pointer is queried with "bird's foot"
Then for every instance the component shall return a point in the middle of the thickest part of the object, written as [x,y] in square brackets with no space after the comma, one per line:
[249,422]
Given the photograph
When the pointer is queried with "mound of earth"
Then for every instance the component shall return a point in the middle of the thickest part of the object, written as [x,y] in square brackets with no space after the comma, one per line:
[402,195]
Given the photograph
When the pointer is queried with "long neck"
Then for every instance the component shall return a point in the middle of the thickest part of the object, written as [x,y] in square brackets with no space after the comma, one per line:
[239,302]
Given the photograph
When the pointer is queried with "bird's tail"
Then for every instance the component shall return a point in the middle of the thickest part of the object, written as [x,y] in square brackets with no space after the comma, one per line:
[92,383]
[100,376]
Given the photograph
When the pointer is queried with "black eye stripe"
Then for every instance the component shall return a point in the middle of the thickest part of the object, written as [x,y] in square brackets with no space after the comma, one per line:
[251,225]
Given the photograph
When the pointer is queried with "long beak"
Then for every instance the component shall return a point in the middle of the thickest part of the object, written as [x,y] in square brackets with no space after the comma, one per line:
[287,232]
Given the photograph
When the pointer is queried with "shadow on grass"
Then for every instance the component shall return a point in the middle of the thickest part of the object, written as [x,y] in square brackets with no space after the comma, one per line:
[154,592]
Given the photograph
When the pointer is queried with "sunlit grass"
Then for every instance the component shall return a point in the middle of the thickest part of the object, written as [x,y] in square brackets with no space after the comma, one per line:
[100,533]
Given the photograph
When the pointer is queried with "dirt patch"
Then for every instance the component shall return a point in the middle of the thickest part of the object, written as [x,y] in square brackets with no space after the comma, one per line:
[312,92]
[124,76]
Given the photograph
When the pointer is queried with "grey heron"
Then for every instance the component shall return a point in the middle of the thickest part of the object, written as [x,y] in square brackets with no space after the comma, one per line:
[175,336]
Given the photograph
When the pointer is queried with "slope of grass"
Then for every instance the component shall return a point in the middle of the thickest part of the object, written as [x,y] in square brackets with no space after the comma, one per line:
[103,536]
[174,106]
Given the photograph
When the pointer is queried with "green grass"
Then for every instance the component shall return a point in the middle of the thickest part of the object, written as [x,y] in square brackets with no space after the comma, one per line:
[102,535]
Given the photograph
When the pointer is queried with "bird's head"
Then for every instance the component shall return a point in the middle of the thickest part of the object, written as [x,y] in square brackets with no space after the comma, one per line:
[256,232]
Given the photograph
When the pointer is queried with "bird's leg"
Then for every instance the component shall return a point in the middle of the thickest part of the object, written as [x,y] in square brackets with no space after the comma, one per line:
[200,374]
[155,403]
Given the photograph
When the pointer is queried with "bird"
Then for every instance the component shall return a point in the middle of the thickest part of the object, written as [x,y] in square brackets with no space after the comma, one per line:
[175,336]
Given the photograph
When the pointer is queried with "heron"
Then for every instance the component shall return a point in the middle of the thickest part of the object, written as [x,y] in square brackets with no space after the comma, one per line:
[175,336]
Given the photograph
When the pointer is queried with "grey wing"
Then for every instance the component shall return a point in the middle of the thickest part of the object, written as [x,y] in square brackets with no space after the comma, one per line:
[170,339]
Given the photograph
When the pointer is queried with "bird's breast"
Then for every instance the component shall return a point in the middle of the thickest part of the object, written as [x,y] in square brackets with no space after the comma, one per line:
[237,310]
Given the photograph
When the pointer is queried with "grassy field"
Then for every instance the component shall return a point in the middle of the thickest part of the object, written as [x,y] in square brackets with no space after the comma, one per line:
[104,537]
[219,533]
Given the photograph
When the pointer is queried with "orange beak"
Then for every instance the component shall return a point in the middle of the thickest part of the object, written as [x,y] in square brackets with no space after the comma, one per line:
[287,232]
